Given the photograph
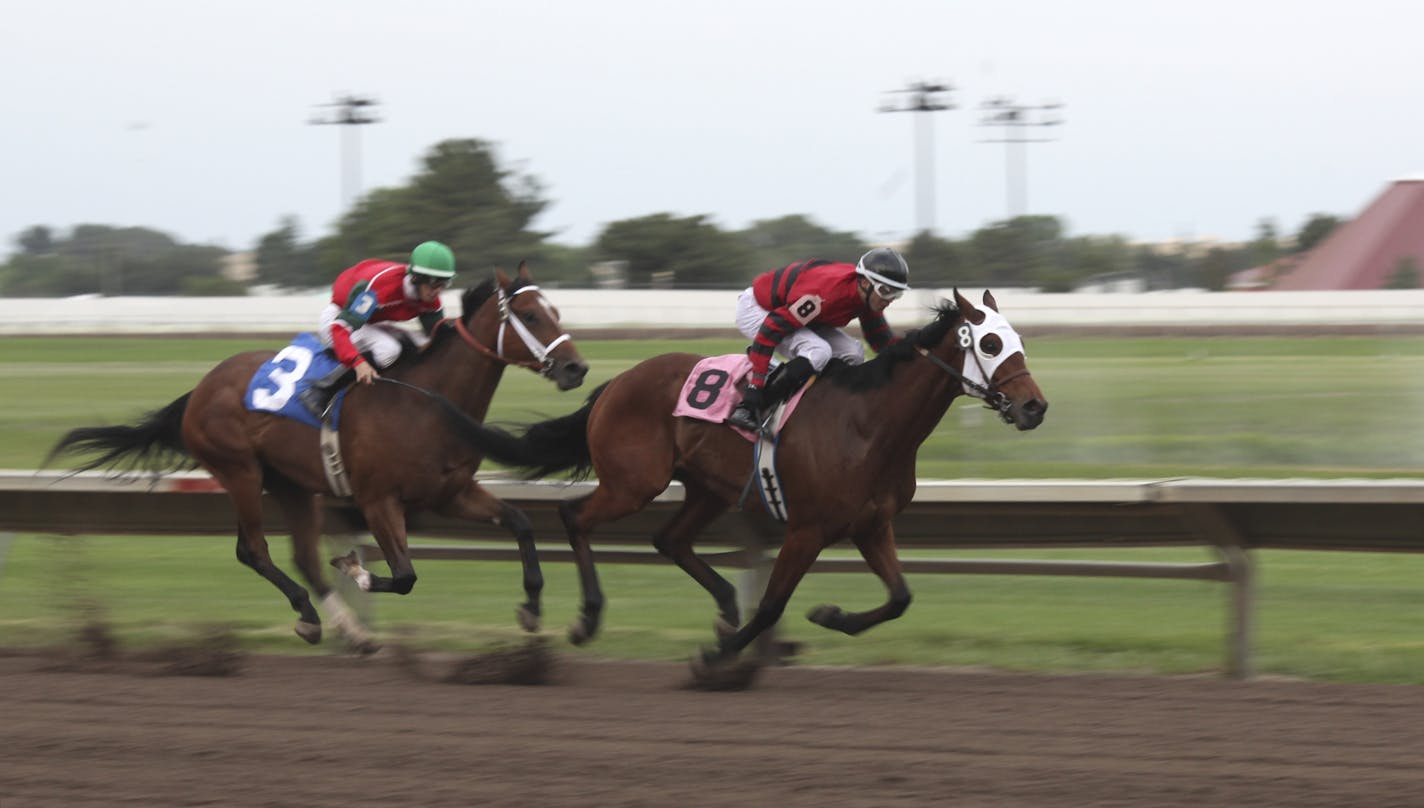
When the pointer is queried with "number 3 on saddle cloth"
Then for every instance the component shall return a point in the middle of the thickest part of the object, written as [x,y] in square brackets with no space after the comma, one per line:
[275,385]
[710,393]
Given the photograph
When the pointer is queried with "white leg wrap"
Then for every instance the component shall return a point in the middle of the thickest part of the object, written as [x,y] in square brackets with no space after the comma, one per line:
[352,568]
[343,619]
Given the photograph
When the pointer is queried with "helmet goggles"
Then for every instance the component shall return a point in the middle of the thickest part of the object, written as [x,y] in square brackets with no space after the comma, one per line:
[883,286]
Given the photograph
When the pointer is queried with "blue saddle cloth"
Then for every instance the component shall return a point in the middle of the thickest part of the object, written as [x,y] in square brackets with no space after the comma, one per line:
[275,385]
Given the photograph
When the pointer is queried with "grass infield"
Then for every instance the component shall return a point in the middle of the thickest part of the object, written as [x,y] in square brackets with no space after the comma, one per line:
[1119,407]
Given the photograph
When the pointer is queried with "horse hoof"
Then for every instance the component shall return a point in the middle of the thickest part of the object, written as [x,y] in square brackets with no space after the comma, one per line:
[311,632]
[712,671]
[825,615]
[528,620]
[365,647]
[578,633]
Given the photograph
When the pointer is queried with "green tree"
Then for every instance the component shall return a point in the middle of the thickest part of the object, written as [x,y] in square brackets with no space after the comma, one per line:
[1266,247]
[937,263]
[1405,274]
[561,265]
[282,260]
[1084,258]
[462,197]
[111,261]
[37,240]
[1220,263]
[777,242]
[1017,252]
[663,250]
[1315,230]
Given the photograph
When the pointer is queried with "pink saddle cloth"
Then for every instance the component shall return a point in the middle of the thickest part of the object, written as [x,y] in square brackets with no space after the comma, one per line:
[710,392]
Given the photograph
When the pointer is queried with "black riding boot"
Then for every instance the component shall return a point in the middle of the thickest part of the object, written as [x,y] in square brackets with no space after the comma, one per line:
[318,395]
[784,382]
[746,417]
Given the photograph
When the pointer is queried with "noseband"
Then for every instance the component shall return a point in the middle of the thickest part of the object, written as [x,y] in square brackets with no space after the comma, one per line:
[544,362]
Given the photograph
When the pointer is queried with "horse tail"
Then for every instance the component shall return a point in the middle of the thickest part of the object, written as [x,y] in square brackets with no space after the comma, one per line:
[543,448]
[154,443]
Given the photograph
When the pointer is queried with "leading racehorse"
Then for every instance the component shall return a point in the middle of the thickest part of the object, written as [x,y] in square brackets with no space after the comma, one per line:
[846,459]
[395,439]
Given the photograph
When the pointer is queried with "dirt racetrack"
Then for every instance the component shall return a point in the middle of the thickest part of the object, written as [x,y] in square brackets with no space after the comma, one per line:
[317,731]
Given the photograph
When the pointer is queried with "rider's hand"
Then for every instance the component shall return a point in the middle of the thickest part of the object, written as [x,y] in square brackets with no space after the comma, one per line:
[365,374]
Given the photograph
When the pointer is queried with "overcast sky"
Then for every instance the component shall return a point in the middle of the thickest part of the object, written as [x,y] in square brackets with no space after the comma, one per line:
[1180,120]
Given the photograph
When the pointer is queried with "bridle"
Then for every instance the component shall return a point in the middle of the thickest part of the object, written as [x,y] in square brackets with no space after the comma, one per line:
[992,396]
[543,362]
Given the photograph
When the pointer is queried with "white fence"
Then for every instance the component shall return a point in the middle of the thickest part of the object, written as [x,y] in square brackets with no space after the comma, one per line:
[1231,517]
[673,309]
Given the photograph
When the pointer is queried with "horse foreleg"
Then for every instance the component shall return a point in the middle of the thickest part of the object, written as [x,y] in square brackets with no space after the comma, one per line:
[386,519]
[797,554]
[477,504]
[878,550]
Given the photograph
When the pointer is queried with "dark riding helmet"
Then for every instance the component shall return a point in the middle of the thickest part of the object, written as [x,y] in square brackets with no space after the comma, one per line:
[887,272]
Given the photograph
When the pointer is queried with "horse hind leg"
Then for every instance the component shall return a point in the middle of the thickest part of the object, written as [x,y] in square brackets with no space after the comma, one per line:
[675,540]
[606,503]
[252,550]
[304,521]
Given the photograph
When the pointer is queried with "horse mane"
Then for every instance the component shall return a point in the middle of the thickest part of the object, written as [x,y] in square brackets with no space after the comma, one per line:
[876,373]
[470,301]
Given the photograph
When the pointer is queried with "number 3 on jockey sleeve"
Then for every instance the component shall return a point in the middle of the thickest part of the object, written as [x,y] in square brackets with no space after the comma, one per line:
[806,309]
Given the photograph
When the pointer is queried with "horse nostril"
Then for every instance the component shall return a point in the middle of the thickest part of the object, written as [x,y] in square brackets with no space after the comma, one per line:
[1035,406]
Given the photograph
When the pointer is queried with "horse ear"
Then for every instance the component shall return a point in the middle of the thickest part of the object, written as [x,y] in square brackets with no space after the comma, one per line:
[989,300]
[524,271]
[501,278]
[966,308]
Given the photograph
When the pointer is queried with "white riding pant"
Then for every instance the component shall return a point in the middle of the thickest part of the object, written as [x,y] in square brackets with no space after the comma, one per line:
[381,340]
[818,343]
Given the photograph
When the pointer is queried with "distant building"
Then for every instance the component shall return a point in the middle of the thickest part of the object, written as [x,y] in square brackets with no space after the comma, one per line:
[1381,248]
[240,267]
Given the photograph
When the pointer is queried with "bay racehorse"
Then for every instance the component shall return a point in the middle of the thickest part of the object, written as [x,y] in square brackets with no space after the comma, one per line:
[395,440]
[846,460]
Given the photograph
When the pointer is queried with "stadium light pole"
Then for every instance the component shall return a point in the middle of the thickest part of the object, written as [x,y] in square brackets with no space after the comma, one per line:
[350,112]
[1016,120]
[922,97]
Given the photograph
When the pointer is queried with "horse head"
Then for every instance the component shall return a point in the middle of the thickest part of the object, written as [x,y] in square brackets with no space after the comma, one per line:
[526,330]
[993,366]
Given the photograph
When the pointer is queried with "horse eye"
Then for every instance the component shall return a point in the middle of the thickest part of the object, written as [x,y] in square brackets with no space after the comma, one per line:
[530,318]
[991,344]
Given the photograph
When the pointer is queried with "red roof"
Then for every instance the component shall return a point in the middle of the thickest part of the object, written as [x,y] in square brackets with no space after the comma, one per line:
[1365,252]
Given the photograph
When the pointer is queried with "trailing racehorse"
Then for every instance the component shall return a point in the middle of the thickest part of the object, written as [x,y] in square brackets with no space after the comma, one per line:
[396,442]
[846,460]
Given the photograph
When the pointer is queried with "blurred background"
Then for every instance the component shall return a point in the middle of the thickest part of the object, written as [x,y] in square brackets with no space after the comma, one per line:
[162,149]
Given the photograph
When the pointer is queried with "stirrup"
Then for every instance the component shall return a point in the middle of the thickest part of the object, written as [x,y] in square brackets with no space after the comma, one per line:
[315,401]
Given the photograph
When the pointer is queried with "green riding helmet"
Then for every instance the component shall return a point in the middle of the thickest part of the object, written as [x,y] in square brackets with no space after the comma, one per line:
[431,259]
